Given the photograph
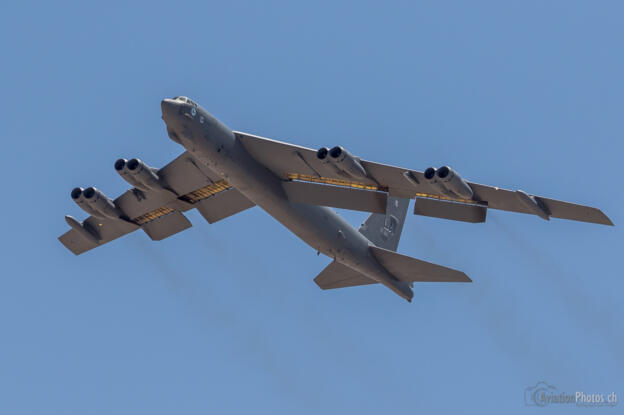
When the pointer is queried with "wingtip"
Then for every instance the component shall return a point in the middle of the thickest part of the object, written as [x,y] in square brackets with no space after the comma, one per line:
[605,219]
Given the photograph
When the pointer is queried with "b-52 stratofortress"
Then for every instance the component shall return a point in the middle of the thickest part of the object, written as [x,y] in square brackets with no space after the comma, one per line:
[223,172]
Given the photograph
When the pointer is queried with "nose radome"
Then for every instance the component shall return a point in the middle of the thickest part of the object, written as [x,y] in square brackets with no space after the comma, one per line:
[169,108]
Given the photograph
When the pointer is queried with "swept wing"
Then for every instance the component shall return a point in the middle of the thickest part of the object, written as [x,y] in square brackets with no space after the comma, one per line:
[308,179]
[185,184]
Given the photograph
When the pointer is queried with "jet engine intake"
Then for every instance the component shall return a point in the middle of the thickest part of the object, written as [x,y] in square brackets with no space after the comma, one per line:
[446,181]
[430,177]
[346,162]
[322,154]
[138,174]
[77,195]
[453,182]
[95,203]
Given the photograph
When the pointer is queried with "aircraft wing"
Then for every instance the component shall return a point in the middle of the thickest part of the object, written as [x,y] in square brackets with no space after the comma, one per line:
[184,184]
[308,179]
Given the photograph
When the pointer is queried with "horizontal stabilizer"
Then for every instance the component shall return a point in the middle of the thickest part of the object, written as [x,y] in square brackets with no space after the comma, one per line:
[166,226]
[336,275]
[444,209]
[410,269]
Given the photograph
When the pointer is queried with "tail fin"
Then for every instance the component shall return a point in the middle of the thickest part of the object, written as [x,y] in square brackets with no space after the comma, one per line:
[385,230]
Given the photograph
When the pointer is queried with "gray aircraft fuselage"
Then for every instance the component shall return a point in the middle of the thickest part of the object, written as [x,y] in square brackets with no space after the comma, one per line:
[214,144]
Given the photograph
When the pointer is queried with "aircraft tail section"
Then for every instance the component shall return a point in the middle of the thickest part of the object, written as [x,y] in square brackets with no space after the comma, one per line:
[337,275]
[408,269]
[385,230]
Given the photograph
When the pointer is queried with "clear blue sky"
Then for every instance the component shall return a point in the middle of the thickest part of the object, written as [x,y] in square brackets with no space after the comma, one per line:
[225,318]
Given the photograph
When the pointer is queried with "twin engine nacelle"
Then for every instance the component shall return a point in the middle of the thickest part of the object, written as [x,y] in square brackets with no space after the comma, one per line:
[95,203]
[343,160]
[138,174]
[447,180]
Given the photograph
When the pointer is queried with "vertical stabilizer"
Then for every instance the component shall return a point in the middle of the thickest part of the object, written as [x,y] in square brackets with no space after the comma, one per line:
[385,230]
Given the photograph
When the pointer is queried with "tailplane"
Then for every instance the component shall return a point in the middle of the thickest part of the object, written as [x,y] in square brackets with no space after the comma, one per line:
[337,275]
[385,230]
[408,269]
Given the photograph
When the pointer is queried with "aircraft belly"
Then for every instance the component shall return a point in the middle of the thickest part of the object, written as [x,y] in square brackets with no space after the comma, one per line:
[318,226]
[324,230]
[264,189]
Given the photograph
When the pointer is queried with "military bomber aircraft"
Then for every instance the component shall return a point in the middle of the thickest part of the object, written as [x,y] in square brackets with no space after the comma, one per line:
[223,172]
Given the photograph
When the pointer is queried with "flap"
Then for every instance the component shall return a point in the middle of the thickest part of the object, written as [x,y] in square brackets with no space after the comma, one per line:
[223,205]
[449,210]
[335,196]
[166,225]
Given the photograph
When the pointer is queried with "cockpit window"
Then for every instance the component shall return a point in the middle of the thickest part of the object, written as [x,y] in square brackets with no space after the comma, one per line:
[185,99]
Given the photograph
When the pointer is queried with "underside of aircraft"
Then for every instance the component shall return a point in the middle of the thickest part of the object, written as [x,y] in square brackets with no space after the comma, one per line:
[224,172]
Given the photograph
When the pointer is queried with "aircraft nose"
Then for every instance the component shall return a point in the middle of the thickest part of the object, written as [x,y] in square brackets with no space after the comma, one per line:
[169,108]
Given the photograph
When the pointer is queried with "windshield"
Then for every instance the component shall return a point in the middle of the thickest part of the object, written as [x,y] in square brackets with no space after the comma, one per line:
[186,99]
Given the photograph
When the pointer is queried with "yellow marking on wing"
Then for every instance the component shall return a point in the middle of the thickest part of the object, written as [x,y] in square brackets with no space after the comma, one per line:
[430,196]
[359,185]
[206,191]
[154,214]
[332,181]
[192,197]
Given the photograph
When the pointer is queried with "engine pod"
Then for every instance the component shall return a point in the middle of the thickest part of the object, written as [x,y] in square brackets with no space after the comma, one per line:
[77,195]
[347,162]
[323,154]
[143,173]
[120,168]
[453,182]
[100,204]
[432,179]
